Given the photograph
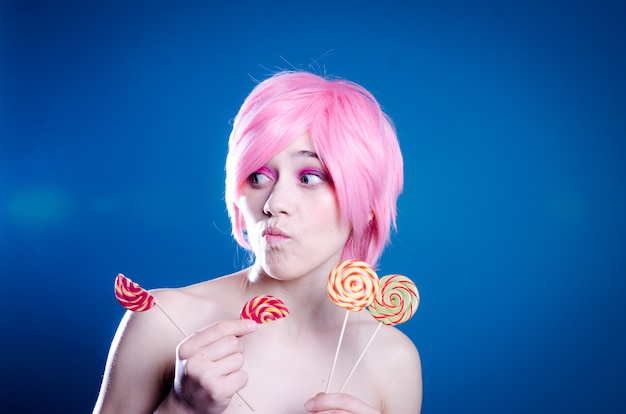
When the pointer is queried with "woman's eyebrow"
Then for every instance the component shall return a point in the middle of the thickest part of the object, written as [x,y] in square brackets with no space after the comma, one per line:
[306,154]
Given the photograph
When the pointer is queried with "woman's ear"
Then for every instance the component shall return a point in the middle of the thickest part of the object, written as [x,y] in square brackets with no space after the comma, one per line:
[240,223]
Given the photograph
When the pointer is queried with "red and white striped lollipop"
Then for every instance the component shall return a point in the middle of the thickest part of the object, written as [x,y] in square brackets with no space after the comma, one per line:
[264,308]
[132,296]
[396,301]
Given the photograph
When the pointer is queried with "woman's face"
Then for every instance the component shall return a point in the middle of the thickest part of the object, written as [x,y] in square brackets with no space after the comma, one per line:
[291,214]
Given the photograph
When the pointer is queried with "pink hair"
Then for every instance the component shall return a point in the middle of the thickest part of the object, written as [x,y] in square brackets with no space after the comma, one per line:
[351,135]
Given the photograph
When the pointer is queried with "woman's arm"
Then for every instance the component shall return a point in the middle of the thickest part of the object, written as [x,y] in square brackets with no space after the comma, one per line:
[401,375]
[140,360]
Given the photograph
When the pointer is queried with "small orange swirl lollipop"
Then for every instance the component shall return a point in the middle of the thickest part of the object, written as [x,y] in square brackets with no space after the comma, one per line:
[396,301]
[132,296]
[264,308]
[353,284]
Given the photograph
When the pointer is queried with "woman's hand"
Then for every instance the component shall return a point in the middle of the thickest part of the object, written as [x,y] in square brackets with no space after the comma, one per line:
[338,404]
[208,367]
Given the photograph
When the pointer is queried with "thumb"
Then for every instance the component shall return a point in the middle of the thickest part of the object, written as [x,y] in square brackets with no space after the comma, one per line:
[311,404]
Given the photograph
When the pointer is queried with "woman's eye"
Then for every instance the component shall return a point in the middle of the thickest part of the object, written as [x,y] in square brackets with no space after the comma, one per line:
[258,179]
[312,178]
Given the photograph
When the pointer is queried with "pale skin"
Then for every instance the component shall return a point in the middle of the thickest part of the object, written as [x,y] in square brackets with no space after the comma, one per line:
[297,236]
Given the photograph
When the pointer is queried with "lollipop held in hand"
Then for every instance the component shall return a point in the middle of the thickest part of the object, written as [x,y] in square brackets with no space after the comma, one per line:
[132,296]
[353,284]
[264,308]
[396,300]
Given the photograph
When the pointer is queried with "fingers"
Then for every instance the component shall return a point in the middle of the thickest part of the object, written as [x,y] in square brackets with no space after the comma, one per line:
[223,330]
[215,364]
[209,363]
[338,404]
[215,350]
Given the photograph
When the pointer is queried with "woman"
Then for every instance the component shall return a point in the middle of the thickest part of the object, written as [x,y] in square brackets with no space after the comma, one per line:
[313,173]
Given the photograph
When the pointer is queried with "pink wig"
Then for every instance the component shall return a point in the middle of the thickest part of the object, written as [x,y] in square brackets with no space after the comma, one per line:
[354,139]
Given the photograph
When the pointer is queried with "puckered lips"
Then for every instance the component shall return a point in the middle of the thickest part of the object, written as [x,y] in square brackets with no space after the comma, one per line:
[274,236]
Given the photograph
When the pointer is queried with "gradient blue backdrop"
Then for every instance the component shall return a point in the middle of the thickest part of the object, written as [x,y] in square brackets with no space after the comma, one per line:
[511,116]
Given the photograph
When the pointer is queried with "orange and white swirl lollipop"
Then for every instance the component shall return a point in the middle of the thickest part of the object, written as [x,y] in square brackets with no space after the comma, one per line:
[353,284]
[396,300]
[132,296]
[264,308]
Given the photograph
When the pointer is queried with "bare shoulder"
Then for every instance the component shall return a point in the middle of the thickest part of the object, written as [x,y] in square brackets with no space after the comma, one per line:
[195,306]
[392,338]
[398,366]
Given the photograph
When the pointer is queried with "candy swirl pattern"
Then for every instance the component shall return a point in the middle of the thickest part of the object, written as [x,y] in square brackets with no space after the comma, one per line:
[353,284]
[396,301]
[131,295]
[264,308]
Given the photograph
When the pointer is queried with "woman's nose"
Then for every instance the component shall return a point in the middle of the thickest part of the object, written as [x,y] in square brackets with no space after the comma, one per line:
[280,200]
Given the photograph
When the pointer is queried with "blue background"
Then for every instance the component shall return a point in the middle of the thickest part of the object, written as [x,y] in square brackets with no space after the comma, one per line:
[511,115]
